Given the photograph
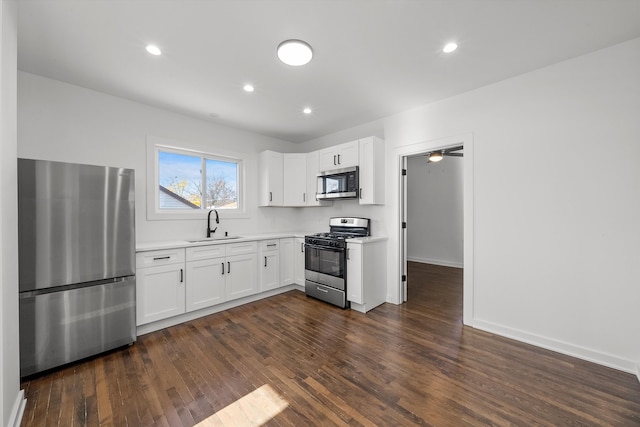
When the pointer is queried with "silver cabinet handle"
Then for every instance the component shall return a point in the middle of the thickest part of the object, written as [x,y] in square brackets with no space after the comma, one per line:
[270,196]
[361,193]
[338,158]
[160,257]
[228,267]
[304,197]
[348,253]
[322,290]
[334,160]
[265,261]
[181,275]
[270,245]
[302,247]
[222,267]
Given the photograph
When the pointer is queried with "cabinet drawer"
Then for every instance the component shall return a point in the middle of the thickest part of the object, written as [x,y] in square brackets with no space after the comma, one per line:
[161,257]
[269,245]
[241,248]
[205,252]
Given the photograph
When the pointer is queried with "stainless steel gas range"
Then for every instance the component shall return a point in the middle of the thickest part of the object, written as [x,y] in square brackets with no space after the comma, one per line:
[326,259]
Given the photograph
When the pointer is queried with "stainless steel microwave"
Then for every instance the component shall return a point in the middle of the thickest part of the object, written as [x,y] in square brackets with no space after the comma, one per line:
[338,184]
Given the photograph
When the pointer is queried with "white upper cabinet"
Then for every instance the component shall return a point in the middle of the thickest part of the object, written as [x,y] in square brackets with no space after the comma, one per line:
[291,179]
[295,179]
[371,171]
[339,156]
[271,168]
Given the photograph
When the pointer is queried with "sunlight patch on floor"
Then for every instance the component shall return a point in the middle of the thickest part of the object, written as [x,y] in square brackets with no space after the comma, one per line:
[254,409]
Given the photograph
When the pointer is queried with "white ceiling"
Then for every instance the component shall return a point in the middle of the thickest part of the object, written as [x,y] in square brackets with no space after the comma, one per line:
[373,58]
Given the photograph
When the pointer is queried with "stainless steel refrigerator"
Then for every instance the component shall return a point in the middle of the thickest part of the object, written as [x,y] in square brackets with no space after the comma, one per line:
[76,261]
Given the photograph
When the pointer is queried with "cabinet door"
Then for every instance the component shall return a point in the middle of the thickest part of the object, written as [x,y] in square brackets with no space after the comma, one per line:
[348,154]
[205,283]
[269,269]
[270,168]
[328,159]
[372,171]
[298,256]
[286,262]
[159,293]
[354,273]
[295,179]
[241,276]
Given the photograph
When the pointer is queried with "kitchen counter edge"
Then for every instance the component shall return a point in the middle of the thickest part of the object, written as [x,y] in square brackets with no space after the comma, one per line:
[174,244]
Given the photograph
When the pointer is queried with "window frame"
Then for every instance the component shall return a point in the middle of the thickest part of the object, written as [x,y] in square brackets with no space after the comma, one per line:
[154,146]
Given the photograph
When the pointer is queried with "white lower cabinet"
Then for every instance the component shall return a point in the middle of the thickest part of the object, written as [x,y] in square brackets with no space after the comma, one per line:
[269,265]
[298,261]
[241,277]
[366,274]
[206,285]
[176,281]
[219,273]
[160,285]
[286,262]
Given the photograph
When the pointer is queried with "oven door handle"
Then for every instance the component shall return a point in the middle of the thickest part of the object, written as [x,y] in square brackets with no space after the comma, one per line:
[323,248]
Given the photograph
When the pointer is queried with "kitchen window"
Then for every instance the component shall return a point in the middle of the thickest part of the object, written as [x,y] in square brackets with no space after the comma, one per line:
[183,182]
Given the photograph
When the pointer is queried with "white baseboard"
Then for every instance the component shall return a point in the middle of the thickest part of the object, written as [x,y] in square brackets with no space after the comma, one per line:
[444,263]
[563,347]
[18,410]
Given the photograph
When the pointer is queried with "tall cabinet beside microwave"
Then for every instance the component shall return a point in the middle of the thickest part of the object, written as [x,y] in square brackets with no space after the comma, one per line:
[371,164]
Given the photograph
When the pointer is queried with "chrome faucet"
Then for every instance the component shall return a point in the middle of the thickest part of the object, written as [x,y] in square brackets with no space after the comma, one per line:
[209,230]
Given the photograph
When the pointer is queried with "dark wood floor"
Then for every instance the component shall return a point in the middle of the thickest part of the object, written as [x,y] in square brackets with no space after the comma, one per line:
[413,364]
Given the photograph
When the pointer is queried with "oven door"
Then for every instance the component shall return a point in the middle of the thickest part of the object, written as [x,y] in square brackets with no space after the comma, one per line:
[325,265]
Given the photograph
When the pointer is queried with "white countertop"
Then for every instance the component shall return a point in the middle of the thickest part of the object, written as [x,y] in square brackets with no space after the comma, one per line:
[368,239]
[219,240]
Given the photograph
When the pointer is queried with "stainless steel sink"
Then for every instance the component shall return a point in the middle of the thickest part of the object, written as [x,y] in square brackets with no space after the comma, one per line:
[214,239]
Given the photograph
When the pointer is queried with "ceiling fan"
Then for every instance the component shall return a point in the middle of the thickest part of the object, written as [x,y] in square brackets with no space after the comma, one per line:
[436,156]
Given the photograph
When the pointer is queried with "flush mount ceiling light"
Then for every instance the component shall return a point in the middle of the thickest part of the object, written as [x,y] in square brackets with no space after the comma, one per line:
[307,110]
[248,87]
[449,47]
[294,52]
[436,156]
[153,50]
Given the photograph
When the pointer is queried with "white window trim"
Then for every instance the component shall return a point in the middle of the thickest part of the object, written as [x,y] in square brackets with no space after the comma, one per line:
[155,144]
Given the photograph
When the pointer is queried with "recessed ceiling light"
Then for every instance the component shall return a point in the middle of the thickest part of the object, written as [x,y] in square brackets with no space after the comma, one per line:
[449,47]
[294,52]
[307,110]
[248,87]
[154,50]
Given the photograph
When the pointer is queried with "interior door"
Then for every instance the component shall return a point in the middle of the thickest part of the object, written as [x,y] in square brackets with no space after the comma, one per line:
[403,230]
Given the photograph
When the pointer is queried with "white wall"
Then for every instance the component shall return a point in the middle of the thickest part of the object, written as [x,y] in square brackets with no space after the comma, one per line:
[556,252]
[11,398]
[435,211]
[62,122]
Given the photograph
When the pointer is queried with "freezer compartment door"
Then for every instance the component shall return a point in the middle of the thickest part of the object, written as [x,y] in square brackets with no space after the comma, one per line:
[62,327]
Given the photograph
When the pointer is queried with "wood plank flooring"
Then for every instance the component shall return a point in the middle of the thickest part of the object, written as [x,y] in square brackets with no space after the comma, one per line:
[295,361]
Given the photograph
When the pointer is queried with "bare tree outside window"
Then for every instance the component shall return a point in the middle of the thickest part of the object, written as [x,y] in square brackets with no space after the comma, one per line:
[181,182]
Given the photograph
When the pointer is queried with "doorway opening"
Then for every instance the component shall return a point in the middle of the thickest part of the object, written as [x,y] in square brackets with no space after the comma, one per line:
[435,232]
[447,224]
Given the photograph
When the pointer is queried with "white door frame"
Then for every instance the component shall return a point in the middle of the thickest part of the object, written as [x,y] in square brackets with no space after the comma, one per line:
[420,148]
